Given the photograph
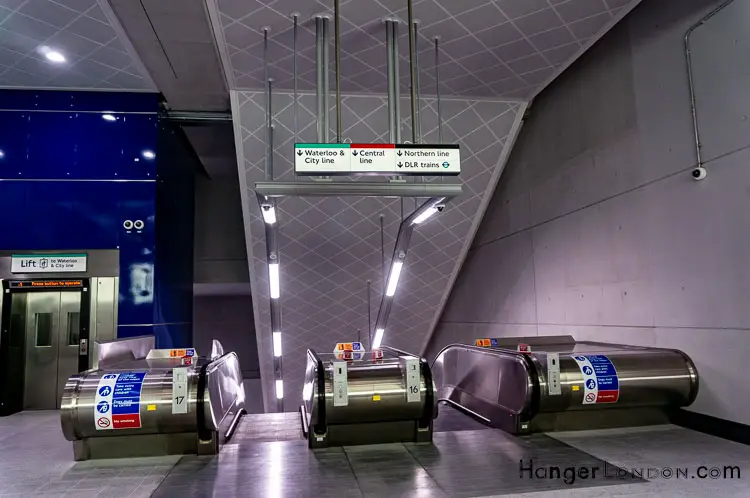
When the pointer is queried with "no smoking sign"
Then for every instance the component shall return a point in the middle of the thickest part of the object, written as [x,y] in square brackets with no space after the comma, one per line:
[103,422]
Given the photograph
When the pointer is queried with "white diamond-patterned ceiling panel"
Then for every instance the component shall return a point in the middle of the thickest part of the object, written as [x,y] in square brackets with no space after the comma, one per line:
[330,247]
[97,53]
[492,48]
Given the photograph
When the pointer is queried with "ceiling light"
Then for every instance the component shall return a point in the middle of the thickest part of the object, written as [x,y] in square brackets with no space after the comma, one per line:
[2,154]
[109,117]
[273,280]
[393,279]
[425,214]
[279,389]
[148,154]
[51,54]
[269,214]
[378,338]
[277,344]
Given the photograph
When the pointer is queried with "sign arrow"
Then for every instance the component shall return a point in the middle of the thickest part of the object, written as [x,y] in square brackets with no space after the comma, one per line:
[400,165]
[399,153]
[354,153]
[299,152]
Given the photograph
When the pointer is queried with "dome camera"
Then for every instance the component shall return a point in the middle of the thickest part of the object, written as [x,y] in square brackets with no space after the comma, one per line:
[699,173]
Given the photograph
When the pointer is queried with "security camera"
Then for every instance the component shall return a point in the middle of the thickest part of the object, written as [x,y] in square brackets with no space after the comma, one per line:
[440,207]
[699,173]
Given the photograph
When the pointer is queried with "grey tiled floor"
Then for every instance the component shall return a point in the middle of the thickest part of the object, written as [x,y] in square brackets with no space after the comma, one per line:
[268,459]
[35,460]
[462,462]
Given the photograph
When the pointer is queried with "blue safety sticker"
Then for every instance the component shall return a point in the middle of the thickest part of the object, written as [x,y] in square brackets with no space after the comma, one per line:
[600,380]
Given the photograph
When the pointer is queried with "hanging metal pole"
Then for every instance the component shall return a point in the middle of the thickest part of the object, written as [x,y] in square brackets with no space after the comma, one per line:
[337,49]
[418,91]
[319,80]
[392,124]
[269,123]
[396,82]
[296,88]
[437,90]
[369,317]
[413,72]
[326,82]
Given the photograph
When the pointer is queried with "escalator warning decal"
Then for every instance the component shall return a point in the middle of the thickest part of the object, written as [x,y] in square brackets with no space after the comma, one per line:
[600,381]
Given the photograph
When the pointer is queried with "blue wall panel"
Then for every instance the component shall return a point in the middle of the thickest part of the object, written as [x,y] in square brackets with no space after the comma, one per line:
[62,168]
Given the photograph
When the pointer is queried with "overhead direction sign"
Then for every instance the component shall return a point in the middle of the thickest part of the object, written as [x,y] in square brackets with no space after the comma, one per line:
[423,159]
[377,159]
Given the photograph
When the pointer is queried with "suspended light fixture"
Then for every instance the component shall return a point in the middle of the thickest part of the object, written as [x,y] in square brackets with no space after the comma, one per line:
[269,213]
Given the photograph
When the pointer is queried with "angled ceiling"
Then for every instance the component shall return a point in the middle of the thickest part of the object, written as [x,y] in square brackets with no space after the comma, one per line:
[490,48]
[99,56]
[330,247]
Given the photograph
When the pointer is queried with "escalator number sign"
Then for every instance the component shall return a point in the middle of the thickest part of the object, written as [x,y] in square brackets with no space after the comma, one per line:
[179,399]
[414,389]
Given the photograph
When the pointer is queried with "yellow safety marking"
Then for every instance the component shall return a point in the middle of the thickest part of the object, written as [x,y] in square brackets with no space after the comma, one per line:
[576,388]
[376,397]
[151,408]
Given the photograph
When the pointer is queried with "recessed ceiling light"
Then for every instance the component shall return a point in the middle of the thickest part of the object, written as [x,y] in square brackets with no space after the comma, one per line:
[2,154]
[148,154]
[52,55]
[109,117]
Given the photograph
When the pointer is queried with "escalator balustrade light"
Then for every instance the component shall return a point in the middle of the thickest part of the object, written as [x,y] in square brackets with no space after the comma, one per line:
[378,338]
[279,389]
[393,279]
[425,215]
[277,344]
[273,280]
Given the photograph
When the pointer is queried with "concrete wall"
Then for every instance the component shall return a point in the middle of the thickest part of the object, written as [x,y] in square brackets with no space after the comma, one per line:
[596,228]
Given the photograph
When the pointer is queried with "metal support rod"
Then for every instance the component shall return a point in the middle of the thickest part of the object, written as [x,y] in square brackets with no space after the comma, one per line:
[396,83]
[437,90]
[391,85]
[357,189]
[691,83]
[418,90]
[269,116]
[319,79]
[382,249]
[296,86]
[369,317]
[326,83]
[337,55]
[412,72]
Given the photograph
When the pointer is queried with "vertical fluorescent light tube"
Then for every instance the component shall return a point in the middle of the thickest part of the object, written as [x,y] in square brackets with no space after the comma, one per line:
[273,280]
[425,214]
[279,389]
[277,344]
[390,290]
[378,338]
[269,214]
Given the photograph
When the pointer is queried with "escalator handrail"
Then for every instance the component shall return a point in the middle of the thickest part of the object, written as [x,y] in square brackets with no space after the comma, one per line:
[531,406]
[321,424]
